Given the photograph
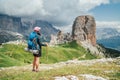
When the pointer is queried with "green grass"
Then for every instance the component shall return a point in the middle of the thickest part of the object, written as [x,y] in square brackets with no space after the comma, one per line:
[110,71]
[6,61]
[14,55]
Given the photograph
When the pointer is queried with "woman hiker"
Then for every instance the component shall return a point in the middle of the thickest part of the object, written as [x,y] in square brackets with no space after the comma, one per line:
[34,44]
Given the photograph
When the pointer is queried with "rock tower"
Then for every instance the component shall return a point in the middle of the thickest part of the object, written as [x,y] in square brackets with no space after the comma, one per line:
[84,28]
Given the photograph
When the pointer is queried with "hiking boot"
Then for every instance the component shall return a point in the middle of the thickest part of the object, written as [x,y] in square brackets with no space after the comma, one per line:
[33,70]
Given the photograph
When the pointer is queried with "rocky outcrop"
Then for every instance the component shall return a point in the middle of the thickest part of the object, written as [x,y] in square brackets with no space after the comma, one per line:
[84,28]
[85,77]
[60,38]
[53,40]
[84,32]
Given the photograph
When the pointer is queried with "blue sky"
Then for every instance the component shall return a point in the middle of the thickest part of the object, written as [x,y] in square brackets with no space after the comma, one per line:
[108,12]
[62,13]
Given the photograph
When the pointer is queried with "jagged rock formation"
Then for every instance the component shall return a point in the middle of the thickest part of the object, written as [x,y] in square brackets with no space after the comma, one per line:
[67,37]
[83,31]
[53,40]
[60,38]
[84,28]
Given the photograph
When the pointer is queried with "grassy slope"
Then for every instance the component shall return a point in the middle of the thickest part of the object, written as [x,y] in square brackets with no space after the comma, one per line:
[110,71]
[11,54]
[14,55]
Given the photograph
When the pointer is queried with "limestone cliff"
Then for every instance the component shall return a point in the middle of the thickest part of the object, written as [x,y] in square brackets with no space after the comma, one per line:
[84,32]
[84,28]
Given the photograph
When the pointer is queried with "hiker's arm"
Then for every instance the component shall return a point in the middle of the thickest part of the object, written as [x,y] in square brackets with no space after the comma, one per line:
[43,44]
[40,44]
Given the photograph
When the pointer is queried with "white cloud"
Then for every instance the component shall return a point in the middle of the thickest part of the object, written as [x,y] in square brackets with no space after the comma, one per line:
[21,8]
[58,12]
[108,24]
[90,4]
[99,24]
[65,11]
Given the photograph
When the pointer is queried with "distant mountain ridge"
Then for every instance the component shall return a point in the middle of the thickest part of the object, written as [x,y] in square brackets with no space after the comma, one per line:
[10,23]
[109,37]
[103,33]
[112,42]
[24,26]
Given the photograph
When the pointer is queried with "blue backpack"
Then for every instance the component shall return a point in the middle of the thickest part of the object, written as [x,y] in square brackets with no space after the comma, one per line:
[32,42]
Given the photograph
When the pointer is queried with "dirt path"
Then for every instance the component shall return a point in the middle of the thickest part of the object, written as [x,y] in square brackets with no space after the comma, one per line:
[67,63]
[61,64]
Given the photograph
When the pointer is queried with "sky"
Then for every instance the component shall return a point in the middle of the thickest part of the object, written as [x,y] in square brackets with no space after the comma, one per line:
[62,13]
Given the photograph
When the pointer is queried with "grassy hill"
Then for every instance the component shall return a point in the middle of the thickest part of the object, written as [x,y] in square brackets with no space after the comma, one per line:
[14,55]
[106,68]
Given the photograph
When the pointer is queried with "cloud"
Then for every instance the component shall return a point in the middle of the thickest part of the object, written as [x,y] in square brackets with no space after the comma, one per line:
[22,8]
[99,24]
[108,24]
[58,12]
[87,5]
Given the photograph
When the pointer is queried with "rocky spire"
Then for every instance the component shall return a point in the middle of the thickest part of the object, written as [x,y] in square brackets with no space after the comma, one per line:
[84,28]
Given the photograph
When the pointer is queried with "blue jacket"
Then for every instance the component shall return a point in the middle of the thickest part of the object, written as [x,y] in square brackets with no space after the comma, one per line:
[34,41]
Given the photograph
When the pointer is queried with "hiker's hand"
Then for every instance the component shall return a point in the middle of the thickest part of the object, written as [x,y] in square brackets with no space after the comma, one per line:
[46,44]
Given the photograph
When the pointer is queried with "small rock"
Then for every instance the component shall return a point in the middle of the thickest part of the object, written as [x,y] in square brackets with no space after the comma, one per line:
[69,77]
[92,77]
[61,78]
[72,77]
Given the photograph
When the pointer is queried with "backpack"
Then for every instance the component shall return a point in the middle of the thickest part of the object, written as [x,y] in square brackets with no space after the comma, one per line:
[32,43]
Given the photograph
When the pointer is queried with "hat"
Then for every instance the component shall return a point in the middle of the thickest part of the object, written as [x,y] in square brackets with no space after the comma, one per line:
[37,28]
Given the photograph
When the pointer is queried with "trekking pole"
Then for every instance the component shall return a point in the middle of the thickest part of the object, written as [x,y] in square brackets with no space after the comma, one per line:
[47,52]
